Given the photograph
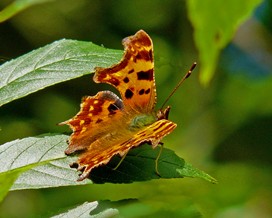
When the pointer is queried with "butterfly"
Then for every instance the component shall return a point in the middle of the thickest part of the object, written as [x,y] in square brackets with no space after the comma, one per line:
[106,125]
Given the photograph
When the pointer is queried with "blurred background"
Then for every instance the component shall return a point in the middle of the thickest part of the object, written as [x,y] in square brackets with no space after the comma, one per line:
[224,126]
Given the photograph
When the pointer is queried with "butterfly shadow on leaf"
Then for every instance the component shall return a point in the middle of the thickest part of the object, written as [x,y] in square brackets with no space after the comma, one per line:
[139,165]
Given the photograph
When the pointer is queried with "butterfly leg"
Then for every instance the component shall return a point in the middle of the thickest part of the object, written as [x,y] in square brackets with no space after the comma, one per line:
[123,157]
[157,159]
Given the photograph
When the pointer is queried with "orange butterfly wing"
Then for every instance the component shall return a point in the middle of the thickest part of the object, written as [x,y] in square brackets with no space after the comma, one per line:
[103,149]
[134,75]
[106,125]
[93,120]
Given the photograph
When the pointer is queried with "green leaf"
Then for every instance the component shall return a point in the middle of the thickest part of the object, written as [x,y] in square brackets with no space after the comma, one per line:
[215,22]
[189,171]
[19,156]
[85,209]
[139,165]
[53,174]
[57,62]
[42,163]
[20,153]
[6,182]
[17,6]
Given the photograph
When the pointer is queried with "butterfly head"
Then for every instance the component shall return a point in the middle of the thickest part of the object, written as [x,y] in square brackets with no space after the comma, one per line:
[163,113]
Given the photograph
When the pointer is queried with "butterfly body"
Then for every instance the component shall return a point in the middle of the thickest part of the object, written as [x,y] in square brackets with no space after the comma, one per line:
[142,120]
[107,125]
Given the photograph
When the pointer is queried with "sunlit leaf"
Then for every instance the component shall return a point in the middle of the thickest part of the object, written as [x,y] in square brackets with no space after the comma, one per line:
[28,151]
[57,62]
[42,163]
[21,155]
[84,211]
[139,165]
[53,174]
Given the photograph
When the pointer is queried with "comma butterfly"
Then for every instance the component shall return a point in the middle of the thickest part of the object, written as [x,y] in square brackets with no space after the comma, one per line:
[107,125]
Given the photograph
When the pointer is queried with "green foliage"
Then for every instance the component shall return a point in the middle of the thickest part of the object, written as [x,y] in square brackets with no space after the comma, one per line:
[41,159]
[46,165]
[52,166]
[215,22]
[17,6]
[223,127]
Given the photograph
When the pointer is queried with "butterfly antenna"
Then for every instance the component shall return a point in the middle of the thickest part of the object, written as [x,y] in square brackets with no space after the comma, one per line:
[180,82]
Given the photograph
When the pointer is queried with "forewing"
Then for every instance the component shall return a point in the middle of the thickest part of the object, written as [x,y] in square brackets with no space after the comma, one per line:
[134,75]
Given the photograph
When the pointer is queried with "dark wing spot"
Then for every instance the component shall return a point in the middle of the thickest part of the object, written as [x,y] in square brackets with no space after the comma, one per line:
[128,94]
[99,120]
[145,75]
[147,91]
[126,80]
[151,54]
[131,71]
[112,109]
[141,92]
